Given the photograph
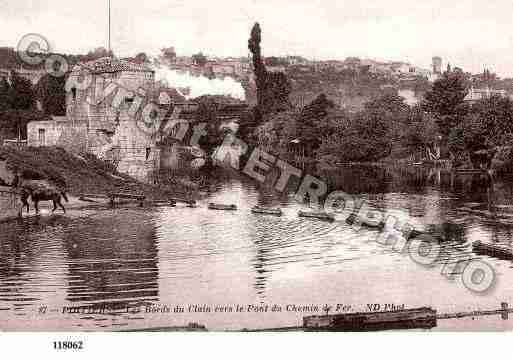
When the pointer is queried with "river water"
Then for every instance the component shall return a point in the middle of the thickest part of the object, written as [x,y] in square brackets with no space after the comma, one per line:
[167,257]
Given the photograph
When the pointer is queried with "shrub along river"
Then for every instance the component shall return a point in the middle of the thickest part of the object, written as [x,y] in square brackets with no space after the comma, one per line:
[199,259]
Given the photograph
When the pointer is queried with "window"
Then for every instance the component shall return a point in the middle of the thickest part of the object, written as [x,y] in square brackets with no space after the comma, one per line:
[148,152]
[41,136]
[74,93]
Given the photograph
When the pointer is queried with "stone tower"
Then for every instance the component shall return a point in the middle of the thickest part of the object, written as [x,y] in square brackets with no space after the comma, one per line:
[108,97]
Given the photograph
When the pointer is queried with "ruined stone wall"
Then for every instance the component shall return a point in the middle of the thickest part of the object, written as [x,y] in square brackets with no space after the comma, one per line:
[100,121]
[10,204]
[70,135]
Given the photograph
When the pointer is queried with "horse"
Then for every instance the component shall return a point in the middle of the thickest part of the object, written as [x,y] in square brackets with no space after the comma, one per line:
[41,190]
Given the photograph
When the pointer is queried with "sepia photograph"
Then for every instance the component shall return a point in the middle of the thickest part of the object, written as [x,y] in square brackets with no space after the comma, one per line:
[257,167]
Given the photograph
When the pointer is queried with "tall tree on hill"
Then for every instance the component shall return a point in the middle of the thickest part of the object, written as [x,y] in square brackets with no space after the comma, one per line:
[446,100]
[273,88]
[21,94]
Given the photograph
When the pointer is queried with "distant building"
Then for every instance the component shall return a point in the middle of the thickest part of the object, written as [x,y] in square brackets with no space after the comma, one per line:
[296,60]
[437,65]
[276,68]
[352,63]
[476,94]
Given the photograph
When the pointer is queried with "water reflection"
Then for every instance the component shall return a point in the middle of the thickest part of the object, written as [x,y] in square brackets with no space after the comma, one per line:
[113,261]
[186,256]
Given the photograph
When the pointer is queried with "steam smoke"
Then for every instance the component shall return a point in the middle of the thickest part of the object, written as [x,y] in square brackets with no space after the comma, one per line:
[199,85]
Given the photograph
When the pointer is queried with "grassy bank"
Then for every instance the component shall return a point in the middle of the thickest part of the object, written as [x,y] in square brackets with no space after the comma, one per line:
[81,173]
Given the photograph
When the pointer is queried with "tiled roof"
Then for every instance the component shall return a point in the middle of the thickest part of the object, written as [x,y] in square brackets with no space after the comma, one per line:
[109,65]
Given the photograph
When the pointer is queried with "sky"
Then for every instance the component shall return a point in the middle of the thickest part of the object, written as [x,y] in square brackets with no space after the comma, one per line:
[469,34]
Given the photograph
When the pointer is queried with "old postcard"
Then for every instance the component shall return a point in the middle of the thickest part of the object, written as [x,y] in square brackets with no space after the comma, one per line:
[242,166]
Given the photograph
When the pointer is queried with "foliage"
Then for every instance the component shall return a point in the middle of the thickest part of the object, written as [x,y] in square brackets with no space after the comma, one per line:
[4,95]
[169,53]
[312,125]
[273,88]
[14,122]
[52,94]
[421,134]
[446,100]
[96,54]
[20,94]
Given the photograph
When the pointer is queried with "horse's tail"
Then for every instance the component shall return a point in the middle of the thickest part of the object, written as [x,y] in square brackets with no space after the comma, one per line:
[64,196]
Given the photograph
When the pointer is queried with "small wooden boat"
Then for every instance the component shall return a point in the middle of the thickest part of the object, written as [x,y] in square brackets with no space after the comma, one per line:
[222,207]
[492,250]
[416,318]
[319,215]
[263,210]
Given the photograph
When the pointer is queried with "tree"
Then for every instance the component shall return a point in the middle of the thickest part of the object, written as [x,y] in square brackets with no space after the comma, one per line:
[273,88]
[4,95]
[14,122]
[363,138]
[421,135]
[169,53]
[446,100]
[312,122]
[487,126]
[141,58]
[21,94]
[52,94]
[199,59]
[98,53]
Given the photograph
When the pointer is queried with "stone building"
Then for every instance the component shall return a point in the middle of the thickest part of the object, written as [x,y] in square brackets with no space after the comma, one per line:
[477,94]
[106,100]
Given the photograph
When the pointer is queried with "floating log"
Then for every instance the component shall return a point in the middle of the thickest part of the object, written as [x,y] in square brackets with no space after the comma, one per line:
[353,218]
[492,250]
[469,171]
[319,215]
[271,211]
[137,197]
[418,318]
[164,203]
[93,198]
[222,207]
[189,202]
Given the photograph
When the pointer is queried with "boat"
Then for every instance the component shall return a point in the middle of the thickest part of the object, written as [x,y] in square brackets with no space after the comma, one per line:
[263,210]
[492,250]
[416,318]
[222,207]
[319,215]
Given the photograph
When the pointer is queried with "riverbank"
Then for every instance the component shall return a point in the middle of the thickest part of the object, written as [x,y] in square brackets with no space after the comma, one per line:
[80,174]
